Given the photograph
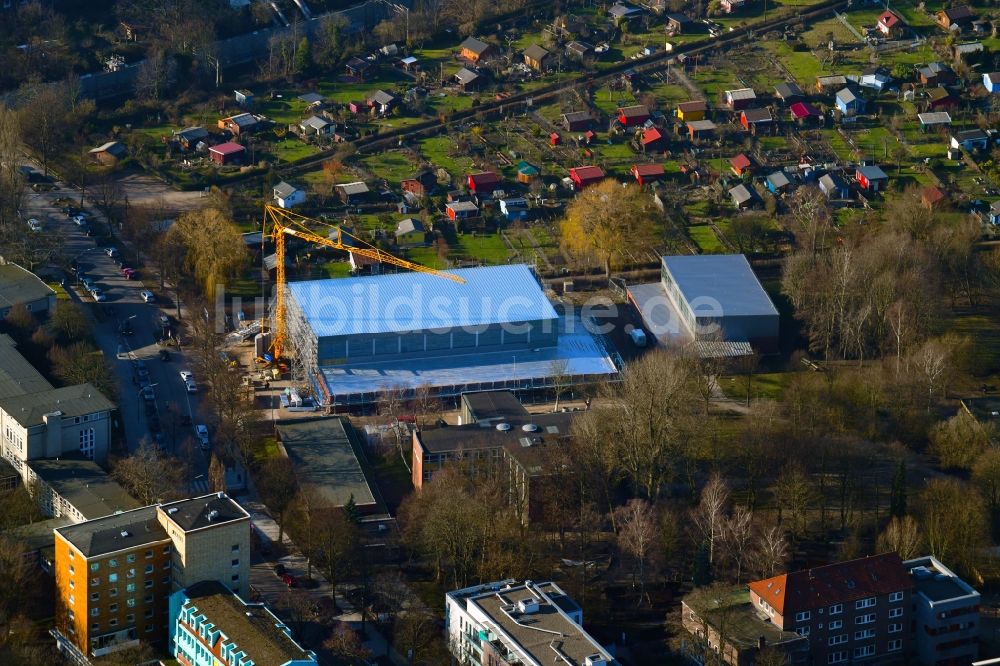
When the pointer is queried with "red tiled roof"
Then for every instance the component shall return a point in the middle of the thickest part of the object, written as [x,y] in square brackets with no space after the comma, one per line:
[741,161]
[838,583]
[803,110]
[651,135]
[483,179]
[647,170]
[228,148]
[932,194]
[888,19]
[587,172]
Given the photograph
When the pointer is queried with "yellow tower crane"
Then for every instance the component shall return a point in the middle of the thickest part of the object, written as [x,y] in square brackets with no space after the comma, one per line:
[279,223]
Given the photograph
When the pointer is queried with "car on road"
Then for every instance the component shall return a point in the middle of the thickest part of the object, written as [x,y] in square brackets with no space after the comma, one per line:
[34,225]
[98,295]
[164,355]
[186,376]
[141,370]
[128,273]
[164,321]
[80,219]
[88,283]
[125,328]
[147,393]
[190,386]
[202,432]
[147,296]
[288,579]
[111,252]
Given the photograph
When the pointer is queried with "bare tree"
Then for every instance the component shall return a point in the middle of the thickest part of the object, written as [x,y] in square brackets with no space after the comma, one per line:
[901,535]
[771,551]
[795,495]
[710,516]
[738,538]
[637,534]
[152,476]
[276,483]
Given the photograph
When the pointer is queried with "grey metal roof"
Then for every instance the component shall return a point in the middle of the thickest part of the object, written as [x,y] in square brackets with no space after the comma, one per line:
[358,187]
[576,116]
[205,511]
[832,80]
[311,98]
[466,76]
[192,133]
[477,46]
[829,181]
[741,93]
[116,148]
[85,485]
[620,10]
[409,225]
[725,281]
[324,458]
[934,118]
[461,205]
[315,122]
[119,531]
[284,190]
[778,179]
[403,302]
[757,115]
[382,97]
[787,90]
[741,194]
[28,409]
[970,135]
[701,125]
[846,95]
[19,285]
[536,52]
[243,120]
[872,172]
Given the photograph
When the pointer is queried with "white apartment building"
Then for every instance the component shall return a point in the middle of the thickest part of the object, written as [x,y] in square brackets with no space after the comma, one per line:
[527,624]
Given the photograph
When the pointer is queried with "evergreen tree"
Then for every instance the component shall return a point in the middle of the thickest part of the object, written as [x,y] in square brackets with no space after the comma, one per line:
[897,501]
[303,62]
[702,566]
[351,510]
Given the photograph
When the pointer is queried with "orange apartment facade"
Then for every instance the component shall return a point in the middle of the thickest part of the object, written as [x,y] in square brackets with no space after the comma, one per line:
[114,575]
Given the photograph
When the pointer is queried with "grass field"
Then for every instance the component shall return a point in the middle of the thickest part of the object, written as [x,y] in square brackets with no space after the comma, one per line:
[440,151]
[770,385]
[393,165]
[704,237]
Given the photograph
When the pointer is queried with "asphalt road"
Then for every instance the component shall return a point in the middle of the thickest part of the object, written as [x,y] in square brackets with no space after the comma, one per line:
[176,409]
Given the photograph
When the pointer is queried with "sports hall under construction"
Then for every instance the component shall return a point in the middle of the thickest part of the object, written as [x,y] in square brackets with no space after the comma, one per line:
[355,338]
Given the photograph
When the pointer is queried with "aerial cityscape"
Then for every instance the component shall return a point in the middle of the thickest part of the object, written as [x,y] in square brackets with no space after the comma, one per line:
[499,332]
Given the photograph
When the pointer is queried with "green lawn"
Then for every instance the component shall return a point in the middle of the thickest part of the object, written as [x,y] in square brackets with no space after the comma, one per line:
[770,385]
[704,237]
[291,149]
[803,65]
[485,248]
[440,151]
[392,165]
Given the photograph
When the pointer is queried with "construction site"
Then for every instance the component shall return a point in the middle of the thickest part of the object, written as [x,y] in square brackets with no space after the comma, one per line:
[350,340]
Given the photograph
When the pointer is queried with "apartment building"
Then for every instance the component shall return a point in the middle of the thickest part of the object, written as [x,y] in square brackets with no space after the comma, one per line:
[210,625]
[851,611]
[946,622]
[40,421]
[507,623]
[76,489]
[114,574]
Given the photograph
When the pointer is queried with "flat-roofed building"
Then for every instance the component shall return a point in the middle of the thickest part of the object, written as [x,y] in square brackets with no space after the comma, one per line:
[510,622]
[945,614]
[210,625]
[114,574]
[713,300]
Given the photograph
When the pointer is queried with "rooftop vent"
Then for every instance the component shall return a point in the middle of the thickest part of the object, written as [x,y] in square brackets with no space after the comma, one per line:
[529,427]
[172,510]
[528,606]
[594,660]
[125,533]
[212,515]
[503,427]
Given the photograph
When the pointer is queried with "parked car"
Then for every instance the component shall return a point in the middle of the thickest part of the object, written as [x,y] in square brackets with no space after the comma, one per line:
[190,386]
[202,432]
[87,283]
[186,376]
[164,355]
[164,321]
[279,569]
[128,273]
[34,225]
[98,295]
[142,370]
[147,393]
[111,252]
[80,219]
[289,580]
[147,296]
[154,423]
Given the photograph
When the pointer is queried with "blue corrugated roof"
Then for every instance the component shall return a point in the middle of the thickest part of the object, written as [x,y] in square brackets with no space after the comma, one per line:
[404,302]
[725,279]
